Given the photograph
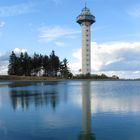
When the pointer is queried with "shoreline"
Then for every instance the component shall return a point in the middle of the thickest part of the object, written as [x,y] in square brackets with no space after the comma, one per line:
[28,78]
[7,78]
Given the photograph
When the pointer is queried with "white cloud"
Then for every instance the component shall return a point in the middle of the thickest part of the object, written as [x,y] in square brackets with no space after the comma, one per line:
[60,44]
[15,10]
[48,34]
[19,50]
[117,57]
[2,24]
[4,63]
[3,67]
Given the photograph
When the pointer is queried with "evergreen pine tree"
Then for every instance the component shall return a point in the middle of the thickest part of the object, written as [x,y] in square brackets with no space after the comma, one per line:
[65,72]
[54,64]
[12,64]
[45,64]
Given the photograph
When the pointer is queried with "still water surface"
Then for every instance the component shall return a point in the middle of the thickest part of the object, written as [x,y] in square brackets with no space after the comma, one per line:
[70,110]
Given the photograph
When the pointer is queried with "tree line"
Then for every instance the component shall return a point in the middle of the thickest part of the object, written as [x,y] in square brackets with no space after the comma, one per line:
[38,65]
[96,77]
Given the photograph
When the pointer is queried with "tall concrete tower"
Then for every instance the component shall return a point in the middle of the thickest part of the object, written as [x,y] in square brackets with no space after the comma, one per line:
[86,19]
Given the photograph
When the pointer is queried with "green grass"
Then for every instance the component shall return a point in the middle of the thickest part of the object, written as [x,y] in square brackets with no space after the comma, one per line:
[26,78]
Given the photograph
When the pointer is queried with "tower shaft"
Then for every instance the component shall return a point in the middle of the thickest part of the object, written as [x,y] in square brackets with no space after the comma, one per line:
[86,48]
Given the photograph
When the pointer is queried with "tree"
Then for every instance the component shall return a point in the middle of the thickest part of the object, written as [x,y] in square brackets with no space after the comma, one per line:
[12,67]
[37,63]
[54,64]
[27,66]
[45,64]
[65,72]
[20,65]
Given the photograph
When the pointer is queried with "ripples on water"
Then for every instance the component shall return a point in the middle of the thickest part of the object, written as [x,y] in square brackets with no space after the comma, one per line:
[70,110]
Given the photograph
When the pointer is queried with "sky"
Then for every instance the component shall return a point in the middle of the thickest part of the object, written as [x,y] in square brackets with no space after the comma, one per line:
[44,25]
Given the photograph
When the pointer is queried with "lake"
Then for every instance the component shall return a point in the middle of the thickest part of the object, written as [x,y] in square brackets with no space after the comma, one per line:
[70,110]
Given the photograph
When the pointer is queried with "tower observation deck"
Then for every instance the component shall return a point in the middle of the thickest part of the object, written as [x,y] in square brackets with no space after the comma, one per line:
[86,19]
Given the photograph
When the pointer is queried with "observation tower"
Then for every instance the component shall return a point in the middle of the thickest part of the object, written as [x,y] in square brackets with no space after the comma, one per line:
[86,19]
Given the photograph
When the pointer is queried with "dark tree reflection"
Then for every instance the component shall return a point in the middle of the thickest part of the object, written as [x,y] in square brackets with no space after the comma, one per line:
[25,99]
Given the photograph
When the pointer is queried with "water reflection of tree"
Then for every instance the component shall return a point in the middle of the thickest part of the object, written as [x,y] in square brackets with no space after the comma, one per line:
[26,99]
[19,84]
[37,94]
[86,133]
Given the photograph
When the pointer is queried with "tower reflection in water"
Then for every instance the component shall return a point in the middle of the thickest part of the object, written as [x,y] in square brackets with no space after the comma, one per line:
[86,133]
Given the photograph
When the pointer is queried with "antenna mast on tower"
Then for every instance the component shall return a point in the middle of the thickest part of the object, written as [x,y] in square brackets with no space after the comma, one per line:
[85,3]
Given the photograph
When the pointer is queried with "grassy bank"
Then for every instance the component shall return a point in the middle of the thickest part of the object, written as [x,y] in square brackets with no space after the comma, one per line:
[27,78]
[41,78]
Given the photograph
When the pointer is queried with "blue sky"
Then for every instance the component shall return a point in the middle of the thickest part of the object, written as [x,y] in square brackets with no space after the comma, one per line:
[44,25]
